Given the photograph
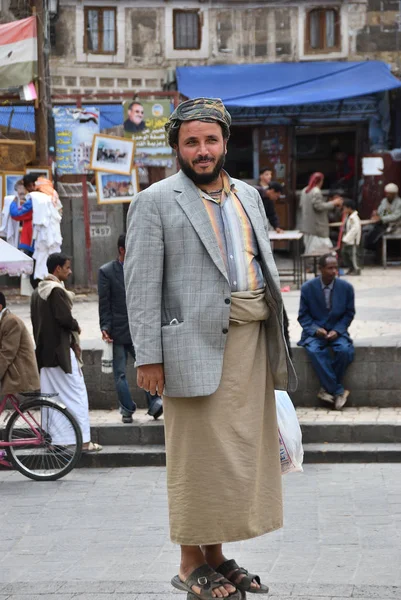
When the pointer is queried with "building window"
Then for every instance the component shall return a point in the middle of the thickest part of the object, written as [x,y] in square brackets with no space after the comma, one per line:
[322,30]
[100,30]
[187,29]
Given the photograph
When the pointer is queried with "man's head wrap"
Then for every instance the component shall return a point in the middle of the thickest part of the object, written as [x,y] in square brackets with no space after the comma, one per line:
[391,188]
[208,110]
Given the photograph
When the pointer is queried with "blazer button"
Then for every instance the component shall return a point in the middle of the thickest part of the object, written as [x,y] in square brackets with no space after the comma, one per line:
[225,330]
[227,301]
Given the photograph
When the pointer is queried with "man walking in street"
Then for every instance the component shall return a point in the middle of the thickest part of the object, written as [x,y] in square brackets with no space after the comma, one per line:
[18,368]
[205,314]
[115,330]
[327,309]
[58,350]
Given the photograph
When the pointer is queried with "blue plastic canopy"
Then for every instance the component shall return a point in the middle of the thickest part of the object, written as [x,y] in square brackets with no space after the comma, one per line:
[23,117]
[284,84]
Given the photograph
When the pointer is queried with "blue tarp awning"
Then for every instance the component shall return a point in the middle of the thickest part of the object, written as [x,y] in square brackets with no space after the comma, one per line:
[285,84]
[23,117]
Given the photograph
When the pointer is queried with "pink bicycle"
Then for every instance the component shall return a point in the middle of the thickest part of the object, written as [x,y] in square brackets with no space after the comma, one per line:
[42,440]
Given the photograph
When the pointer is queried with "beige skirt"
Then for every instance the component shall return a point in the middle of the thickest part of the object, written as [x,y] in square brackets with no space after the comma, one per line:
[223,464]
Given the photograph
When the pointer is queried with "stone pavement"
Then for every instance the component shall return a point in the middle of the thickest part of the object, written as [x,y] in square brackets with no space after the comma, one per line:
[103,535]
[306,414]
[377,320]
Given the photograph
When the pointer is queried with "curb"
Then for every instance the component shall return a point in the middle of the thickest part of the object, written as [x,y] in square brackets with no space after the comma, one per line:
[155,455]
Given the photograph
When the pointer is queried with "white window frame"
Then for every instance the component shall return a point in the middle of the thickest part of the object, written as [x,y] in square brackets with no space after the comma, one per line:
[170,52]
[344,37]
[88,57]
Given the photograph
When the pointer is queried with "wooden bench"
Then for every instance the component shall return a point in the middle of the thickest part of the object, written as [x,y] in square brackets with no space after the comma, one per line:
[385,238]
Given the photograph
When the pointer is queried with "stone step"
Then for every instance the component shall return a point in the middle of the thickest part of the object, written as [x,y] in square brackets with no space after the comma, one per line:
[313,432]
[154,455]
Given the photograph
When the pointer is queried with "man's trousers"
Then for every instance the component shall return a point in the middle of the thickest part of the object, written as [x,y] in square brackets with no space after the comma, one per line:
[330,361]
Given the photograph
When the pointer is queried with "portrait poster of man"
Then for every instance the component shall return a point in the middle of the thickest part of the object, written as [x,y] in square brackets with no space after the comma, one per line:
[144,122]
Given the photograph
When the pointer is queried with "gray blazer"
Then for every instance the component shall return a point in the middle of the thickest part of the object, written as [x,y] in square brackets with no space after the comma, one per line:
[315,213]
[177,287]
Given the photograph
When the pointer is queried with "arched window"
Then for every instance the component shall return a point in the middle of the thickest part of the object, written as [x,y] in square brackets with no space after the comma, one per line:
[322,30]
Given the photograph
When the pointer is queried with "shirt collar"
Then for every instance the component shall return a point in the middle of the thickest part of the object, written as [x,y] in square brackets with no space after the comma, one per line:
[228,187]
[330,286]
[3,312]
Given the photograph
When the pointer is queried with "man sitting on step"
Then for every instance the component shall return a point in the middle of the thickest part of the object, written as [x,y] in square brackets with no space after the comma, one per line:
[326,310]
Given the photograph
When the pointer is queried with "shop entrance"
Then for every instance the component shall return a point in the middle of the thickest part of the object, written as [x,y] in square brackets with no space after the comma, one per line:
[334,151]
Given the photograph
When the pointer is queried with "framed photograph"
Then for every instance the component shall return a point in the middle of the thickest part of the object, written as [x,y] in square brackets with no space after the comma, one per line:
[10,179]
[40,171]
[113,188]
[112,154]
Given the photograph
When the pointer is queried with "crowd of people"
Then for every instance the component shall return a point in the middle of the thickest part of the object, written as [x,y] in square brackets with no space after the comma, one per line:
[36,205]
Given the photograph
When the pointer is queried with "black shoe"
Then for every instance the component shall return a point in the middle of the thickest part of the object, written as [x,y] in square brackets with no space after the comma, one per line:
[127,419]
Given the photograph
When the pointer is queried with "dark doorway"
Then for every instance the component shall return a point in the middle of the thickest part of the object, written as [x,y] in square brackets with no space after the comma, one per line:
[239,160]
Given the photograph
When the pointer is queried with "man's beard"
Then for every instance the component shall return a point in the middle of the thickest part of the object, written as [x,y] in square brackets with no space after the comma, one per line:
[201,178]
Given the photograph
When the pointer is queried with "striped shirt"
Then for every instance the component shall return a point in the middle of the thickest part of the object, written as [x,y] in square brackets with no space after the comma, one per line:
[235,237]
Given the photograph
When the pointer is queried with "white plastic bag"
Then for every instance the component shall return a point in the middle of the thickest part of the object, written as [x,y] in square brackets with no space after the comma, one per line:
[291,451]
[107,357]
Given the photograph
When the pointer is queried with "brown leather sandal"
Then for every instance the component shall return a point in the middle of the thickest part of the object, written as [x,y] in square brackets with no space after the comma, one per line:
[232,572]
[207,580]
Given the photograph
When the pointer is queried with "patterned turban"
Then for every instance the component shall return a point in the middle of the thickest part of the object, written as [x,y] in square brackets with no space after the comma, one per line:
[208,110]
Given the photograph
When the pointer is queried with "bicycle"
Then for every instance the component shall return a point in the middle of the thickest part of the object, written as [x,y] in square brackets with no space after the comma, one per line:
[42,440]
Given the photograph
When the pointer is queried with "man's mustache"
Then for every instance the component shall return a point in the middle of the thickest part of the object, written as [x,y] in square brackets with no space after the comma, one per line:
[203,159]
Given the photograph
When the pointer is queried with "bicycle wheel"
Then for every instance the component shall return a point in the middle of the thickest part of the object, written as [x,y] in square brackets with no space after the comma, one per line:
[48,438]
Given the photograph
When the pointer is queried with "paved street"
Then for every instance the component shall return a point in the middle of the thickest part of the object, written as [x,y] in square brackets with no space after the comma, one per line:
[377,320]
[103,534]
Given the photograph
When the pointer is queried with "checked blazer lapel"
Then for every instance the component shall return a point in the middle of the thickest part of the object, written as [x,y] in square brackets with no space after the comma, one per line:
[191,203]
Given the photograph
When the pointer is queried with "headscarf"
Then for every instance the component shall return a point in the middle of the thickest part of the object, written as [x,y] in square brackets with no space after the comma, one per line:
[314,180]
[208,110]
[46,187]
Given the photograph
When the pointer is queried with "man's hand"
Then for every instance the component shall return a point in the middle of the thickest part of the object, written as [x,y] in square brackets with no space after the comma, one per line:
[376,219]
[332,335]
[279,230]
[77,351]
[151,378]
[338,202]
[106,337]
[321,333]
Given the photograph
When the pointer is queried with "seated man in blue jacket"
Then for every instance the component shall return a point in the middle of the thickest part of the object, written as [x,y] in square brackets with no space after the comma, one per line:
[326,311]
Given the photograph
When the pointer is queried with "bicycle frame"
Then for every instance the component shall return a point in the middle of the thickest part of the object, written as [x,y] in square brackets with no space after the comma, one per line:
[34,442]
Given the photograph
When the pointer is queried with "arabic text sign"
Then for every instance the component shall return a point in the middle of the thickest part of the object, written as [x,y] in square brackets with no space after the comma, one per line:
[75,129]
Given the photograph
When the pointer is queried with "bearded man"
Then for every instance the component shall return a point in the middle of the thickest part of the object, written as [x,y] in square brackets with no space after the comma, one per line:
[205,314]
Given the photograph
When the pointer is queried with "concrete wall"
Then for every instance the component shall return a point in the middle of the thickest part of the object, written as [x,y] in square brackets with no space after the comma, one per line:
[374,379]
[106,219]
[233,32]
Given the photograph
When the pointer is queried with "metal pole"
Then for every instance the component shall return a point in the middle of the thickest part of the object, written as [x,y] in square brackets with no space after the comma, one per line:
[88,257]
[255,153]
[41,121]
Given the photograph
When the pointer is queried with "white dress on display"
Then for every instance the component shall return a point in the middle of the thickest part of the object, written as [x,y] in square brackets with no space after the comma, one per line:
[46,220]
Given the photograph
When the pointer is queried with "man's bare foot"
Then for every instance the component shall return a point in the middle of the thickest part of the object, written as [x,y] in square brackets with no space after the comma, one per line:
[221,592]
[214,557]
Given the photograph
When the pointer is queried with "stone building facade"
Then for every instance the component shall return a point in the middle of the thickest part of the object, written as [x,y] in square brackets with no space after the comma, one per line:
[147,39]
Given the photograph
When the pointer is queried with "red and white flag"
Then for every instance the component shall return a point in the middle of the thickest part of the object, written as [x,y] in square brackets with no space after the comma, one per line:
[18,53]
